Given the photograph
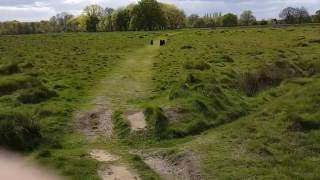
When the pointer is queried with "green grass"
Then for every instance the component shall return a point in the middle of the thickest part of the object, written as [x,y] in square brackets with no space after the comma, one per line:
[247,98]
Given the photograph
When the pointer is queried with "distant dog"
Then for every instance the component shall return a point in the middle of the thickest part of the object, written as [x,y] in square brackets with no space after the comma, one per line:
[151,42]
[162,42]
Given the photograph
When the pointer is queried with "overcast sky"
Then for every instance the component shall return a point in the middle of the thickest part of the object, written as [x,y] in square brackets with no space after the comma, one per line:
[34,10]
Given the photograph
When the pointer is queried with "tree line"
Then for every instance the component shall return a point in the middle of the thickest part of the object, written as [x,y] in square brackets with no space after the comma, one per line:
[148,15]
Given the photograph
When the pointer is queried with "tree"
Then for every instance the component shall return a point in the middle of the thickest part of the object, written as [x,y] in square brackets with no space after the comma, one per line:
[174,17]
[302,15]
[230,20]
[247,18]
[317,17]
[288,15]
[147,15]
[192,19]
[292,15]
[94,14]
[105,23]
[121,19]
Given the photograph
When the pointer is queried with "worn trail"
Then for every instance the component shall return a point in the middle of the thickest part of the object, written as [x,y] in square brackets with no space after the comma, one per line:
[129,80]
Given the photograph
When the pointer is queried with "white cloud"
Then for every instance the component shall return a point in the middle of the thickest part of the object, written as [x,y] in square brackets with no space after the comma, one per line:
[33,10]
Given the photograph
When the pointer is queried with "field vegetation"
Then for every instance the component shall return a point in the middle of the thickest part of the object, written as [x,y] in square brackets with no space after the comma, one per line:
[244,100]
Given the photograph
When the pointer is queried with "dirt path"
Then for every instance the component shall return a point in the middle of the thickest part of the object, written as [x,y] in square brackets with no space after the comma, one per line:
[129,80]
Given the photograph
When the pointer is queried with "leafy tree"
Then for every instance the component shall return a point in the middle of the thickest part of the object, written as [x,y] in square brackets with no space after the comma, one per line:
[192,19]
[121,19]
[317,17]
[230,20]
[174,17]
[247,18]
[147,15]
[263,22]
[94,13]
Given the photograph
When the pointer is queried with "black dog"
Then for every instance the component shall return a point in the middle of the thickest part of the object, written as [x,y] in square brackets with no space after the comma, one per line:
[162,42]
[151,43]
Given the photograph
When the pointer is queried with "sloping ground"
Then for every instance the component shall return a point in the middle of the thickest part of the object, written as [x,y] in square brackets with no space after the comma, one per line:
[278,141]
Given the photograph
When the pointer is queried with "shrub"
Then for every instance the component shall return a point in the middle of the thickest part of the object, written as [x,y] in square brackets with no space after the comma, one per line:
[36,95]
[19,131]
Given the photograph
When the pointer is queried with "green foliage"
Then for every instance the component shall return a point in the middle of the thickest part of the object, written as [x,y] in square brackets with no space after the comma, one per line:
[230,20]
[19,130]
[147,15]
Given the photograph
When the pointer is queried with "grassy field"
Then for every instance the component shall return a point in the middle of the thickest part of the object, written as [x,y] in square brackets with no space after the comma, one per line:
[245,101]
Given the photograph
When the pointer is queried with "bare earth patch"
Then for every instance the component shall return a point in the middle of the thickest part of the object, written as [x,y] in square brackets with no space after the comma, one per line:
[103,156]
[137,120]
[117,172]
[96,122]
[185,166]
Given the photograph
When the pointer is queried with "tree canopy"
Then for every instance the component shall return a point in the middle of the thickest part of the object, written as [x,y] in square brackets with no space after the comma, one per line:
[230,20]
[247,18]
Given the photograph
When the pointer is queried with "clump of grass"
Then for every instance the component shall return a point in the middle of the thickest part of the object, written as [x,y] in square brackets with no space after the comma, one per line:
[227,58]
[157,121]
[298,123]
[36,95]
[186,47]
[191,79]
[12,83]
[121,126]
[198,66]
[9,69]
[179,91]
[19,131]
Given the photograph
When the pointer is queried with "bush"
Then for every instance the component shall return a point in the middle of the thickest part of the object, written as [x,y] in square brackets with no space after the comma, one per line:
[19,131]
[36,95]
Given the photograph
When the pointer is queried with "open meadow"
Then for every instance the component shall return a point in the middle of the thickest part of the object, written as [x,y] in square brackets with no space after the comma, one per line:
[223,103]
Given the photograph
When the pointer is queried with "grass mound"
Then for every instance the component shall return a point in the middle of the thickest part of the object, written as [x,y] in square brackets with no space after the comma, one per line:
[9,69]
[10,84]
[19,131]
[36,95]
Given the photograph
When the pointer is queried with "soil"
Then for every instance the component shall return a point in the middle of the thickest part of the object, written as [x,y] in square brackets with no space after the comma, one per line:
[185,166]
[103,156]
[117,172]
[137,120]
[97,122]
